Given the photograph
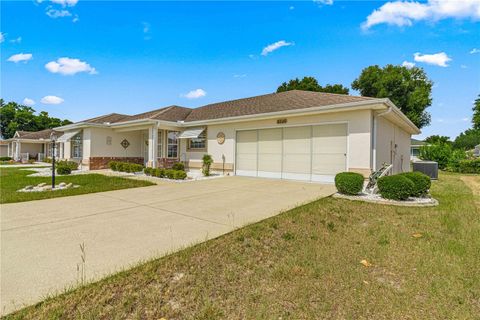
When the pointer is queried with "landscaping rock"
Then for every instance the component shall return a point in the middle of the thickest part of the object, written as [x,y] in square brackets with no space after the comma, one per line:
[28,188]
[62,184]
[70,185]
[41,184]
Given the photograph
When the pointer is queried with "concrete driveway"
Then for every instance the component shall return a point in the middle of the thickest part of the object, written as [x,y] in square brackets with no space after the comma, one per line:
[40,240]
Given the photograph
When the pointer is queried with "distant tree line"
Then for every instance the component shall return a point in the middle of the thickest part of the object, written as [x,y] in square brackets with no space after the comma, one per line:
[14,116]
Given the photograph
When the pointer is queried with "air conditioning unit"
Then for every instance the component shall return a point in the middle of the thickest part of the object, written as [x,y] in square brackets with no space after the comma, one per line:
[430,168]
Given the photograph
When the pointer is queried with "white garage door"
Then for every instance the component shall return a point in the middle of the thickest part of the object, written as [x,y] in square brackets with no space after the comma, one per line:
[312,153]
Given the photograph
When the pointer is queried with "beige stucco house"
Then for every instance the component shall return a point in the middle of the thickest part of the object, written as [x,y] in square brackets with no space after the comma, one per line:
[296,134]
[32,145]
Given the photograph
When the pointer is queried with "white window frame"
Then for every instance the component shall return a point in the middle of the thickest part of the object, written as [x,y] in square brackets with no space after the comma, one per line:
[172,144]
[201,138]
[77,150]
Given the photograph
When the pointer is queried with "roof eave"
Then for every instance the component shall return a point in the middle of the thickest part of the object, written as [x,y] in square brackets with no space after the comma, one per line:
[350,106]
[402,116]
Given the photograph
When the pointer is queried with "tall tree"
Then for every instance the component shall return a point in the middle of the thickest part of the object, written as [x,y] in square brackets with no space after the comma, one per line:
[437,139]
[476,113]
[311,84]
[467,140]
[408,88]
[14,116]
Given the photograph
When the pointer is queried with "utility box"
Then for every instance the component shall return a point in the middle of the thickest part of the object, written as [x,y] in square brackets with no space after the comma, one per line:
[430,168]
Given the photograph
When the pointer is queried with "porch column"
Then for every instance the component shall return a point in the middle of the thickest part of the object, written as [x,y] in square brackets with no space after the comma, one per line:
[60,150]
[8,150]
[152,146]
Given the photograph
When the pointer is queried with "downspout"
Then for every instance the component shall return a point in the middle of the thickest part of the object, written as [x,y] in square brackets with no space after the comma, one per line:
[374,151]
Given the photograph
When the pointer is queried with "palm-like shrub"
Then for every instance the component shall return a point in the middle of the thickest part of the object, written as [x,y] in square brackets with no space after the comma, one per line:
[207,163]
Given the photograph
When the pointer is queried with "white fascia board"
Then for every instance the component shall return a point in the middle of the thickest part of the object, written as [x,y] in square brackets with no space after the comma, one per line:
[414,129]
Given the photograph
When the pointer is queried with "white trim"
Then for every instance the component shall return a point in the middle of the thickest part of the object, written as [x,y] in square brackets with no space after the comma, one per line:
[326,178]
[269,174]
[246,173]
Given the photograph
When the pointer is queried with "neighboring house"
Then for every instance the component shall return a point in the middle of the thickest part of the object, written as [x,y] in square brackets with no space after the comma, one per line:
[415,149]
[33,145]
[3,148]
[296,134]
[476,151]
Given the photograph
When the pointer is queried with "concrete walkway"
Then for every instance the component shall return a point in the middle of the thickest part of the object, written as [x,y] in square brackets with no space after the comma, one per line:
[40,240]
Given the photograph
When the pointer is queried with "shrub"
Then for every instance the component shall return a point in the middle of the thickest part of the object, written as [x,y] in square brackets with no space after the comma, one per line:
[5,158]
[158,172]
[125,166]
[395,187]
[440,153]
[207,163]
[421,183]
[469,166]
[47,160]
[148,171]
[349,183]
[179,175]
[66,167]
[113,165]
[178,166]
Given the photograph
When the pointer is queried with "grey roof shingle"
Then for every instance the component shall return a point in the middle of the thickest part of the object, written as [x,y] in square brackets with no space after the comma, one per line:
[43,134]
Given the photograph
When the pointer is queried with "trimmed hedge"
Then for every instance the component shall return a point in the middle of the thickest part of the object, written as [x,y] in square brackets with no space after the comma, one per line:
[5,158]
[66,167]
[466,166]
[125,166]
[178,166]
[396,187]
[421,183]
[166,173]
[350,183]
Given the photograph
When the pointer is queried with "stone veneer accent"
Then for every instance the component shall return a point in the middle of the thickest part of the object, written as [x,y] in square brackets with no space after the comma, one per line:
[102,162]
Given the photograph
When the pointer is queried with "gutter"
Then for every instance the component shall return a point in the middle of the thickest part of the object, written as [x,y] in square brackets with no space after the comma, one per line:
[374,140]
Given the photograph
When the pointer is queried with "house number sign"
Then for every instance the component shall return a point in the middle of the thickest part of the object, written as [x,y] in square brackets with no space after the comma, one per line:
[281,121]
[125,143]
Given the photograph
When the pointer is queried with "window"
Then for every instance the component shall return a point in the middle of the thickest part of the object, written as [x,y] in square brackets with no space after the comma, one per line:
[160,144]
[77,146]
[172,144]
[198,143]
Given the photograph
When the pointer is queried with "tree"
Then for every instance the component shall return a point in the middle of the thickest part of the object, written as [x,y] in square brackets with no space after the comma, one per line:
[467,140]
[437,139]
[14,117]
[311,84]
[476,114]
[408,88]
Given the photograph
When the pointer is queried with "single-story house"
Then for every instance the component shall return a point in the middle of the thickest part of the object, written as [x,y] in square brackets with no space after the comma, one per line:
[296,134]
[32,145]
[476,151]
[415,146]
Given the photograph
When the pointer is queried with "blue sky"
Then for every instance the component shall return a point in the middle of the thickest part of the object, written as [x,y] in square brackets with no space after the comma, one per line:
[130,57]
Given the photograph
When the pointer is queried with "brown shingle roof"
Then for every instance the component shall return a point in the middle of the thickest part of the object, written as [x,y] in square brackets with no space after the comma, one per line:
[273,102]
[111,118]
[43,134]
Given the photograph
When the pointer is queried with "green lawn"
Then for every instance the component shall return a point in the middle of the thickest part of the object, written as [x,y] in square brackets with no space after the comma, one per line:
[305,264]
[13,179]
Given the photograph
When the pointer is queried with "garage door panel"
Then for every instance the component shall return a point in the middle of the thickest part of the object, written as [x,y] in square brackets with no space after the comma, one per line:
[328,163]
[296,163]
[329,138]
[246,163]
[270,153]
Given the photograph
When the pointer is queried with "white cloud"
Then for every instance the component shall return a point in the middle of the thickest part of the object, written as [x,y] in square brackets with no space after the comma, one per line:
[405,13]
[2,37]
[463,66]
[28,102]
[68,66]
[54,13]
[195,94]
[75,18]
[291,8]
[17,40]
[408,64]
[20,57]
[65,3]
[474,51]
[438,59]
[146,31]
[323,2]
[275,46]
[239,75]
[466,119]
[51,100]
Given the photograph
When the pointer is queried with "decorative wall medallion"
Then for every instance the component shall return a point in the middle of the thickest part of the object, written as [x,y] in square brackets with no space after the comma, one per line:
[221,138]
[125,143]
